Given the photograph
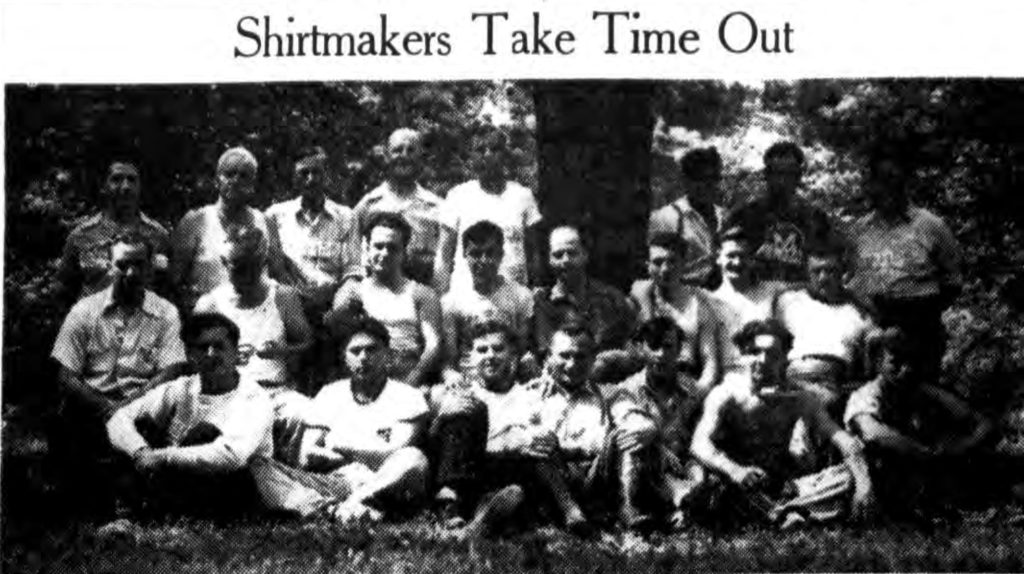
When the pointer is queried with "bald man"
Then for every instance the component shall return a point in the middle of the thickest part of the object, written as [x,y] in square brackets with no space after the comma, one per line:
[402,194]
[197,241]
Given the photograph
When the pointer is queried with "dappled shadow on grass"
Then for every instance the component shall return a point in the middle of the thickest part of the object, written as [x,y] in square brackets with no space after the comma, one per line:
[252,546]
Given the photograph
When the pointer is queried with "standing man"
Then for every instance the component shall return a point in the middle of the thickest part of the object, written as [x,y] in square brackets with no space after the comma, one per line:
[908,262]
[491,297]
[741,298]
[696,215]
[745,435]
[780,223]
[197,242]
[85,262]
[319,238]
[112,347]
[665,294]
[192,439]
[491,197]
[830,329]
[410,311]
[401,193]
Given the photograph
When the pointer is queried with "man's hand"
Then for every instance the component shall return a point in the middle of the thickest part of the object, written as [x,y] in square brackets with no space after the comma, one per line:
[542,446]
[747,477]
[271,350]
[628,440]
[149,459]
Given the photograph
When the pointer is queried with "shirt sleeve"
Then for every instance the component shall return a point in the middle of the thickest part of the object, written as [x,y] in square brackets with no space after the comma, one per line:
[157,404]
[531,213]
[351,250]
[172,350]
[245,430]
[448,211]
[69,348]
[947,252]
[408,404]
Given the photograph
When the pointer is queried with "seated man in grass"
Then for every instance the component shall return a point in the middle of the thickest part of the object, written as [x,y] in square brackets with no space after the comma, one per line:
[490,453]
[358,455]
[927,448]
[191,440]
[656,410]
[745,437]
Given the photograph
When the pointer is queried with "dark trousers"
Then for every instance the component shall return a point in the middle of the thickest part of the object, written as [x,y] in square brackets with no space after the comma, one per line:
[920,318]
[81,459]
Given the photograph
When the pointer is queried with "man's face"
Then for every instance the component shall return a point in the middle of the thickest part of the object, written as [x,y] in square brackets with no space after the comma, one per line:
[236,180]
[706,187]
[122,188]
[567,256]
[129,265]
[493,358]
[310,176]
[366,358]
[483,259]
[663,266]
[767,362]
[489,156]
[734,259]
[885,190]
[782,175]
[826,276]
[570,360]
[384,251]
[213,353]
[404,156]
[243,266]
[662,356]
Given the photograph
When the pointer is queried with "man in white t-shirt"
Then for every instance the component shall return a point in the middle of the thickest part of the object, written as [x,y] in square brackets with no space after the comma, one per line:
[491,297]
[191,440]
[741,298]
[830,328]
[490,197]
[401,193]
[359,458]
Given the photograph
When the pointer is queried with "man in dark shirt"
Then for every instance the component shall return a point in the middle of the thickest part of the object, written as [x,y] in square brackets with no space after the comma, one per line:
[779,222]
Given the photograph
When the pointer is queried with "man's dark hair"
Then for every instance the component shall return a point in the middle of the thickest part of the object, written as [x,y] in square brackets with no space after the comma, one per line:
[483,232]
[701,164]
[306,152]
[744,339]
[829,248]
[391,220]
[654,332]
[670,241]
[491,326]
[133,237]
[343,324]
[784,149]
[196,324]
[734,233]
[574,328]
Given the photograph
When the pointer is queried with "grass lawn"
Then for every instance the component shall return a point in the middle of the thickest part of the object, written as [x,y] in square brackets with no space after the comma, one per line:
[39,538]
[420,546]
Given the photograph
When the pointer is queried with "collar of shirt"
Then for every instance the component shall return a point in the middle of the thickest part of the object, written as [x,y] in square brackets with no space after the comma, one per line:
[148,302]
[309,218]
[559,294]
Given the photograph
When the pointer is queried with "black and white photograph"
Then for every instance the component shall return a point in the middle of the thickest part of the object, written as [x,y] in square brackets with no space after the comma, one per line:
[514,326]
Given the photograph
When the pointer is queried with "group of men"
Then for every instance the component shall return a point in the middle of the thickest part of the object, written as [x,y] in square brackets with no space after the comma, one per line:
[770,367]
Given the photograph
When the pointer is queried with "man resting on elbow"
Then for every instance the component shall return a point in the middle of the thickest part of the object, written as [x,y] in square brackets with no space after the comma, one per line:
[191,439]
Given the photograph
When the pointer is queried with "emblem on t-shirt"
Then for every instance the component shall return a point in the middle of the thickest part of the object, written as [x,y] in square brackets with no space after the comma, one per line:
[385,434]
[783,242]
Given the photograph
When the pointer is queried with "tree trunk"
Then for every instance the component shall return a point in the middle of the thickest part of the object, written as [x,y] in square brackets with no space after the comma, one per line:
[594,143]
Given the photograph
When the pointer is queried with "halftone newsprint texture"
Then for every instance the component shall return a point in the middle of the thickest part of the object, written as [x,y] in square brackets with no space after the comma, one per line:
[884,236]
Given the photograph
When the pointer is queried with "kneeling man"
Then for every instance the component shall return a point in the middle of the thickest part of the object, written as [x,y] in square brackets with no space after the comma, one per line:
[746,437]
[191,439]
[358,456]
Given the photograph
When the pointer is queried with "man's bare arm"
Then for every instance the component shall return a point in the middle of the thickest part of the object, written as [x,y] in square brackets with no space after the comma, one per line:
[445,259]
[428,310]
[703,447]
